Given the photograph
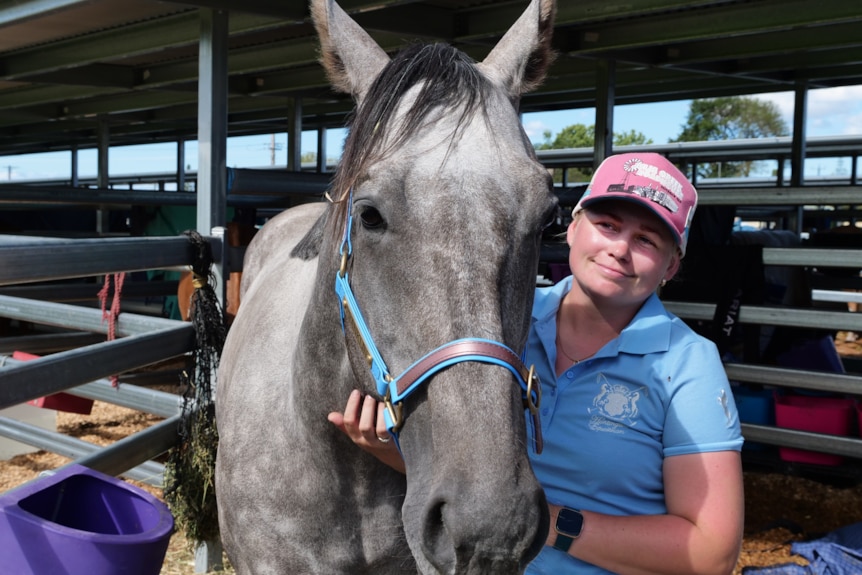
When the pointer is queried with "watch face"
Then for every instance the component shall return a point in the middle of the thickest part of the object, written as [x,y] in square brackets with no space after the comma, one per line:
[569,522]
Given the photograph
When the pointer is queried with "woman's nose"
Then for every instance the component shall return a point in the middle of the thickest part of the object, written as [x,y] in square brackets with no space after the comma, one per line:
[620,247]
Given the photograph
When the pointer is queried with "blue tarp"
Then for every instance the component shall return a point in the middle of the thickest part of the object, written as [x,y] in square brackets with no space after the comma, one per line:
[838,553]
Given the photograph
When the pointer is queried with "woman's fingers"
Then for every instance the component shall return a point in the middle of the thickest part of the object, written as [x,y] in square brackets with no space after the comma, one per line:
[368,418]
[364,423]
[381,432]
[362,420]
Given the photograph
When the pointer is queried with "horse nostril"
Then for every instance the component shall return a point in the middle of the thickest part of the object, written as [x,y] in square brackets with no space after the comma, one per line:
[455,539]
[439,547]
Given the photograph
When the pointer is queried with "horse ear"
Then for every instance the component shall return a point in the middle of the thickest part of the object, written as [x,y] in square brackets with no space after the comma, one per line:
[522,57]
[352,59]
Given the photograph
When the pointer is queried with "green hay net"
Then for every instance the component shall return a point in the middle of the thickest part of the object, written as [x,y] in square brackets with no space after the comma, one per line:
[190,469]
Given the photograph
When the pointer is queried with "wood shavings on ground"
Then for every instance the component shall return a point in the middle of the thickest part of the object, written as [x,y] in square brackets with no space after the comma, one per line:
[779,508]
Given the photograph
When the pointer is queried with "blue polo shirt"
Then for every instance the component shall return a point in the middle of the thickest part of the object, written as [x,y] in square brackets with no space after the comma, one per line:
[657,390]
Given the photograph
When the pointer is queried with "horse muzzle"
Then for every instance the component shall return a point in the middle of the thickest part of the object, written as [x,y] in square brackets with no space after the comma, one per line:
[499,538]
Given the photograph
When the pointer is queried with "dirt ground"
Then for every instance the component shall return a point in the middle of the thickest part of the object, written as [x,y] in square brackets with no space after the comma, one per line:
[779,508]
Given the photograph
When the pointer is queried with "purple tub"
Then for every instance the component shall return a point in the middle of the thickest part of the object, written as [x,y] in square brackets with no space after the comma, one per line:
[82,522]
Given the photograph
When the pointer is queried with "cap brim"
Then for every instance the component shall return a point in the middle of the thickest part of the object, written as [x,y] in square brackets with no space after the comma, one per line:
[588,201]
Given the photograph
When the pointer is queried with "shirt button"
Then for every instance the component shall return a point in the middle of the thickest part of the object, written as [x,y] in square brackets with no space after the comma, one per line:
[552,391]
[570,374]
[544,411]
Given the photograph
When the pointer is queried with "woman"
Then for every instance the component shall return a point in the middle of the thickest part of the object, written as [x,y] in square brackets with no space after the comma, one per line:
[641,462]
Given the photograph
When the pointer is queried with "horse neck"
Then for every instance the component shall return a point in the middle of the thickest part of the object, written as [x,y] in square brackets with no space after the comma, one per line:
[322,350]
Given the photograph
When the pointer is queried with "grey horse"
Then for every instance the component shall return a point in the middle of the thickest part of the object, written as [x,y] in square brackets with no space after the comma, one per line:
[431,235]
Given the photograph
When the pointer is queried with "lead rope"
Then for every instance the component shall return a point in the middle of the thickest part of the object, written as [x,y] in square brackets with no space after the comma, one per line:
[190,469]
[111,315]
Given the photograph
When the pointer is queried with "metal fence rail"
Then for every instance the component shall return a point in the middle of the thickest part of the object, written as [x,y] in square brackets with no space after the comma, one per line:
[140,341]
[143,340]
[29,259]
[849,384]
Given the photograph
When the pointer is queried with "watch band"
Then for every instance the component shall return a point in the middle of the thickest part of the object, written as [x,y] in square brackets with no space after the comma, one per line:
[563,542]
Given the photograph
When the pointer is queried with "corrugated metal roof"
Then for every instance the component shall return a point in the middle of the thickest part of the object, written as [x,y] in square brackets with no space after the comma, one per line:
[133,63]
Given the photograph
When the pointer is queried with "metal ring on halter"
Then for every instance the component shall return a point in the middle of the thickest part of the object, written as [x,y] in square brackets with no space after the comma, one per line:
[534,389]
[342,269]
[396,411]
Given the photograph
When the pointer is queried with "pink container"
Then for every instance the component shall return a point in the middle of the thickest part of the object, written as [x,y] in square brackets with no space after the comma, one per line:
[829,415]
[58,401]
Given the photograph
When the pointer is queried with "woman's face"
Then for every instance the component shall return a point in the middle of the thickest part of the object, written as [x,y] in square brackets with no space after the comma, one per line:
[620,252]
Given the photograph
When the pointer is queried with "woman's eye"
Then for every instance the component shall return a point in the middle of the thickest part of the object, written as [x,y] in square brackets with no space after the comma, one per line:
[648,241]
[370,218]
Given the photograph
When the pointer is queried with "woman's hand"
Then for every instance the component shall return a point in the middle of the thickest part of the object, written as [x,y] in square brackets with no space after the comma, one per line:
[363,422]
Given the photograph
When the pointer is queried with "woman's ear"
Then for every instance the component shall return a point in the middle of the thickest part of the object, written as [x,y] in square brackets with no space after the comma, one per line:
[673,266]
[570,232]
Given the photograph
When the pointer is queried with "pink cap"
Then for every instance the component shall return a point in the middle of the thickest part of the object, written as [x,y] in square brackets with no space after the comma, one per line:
[648,179]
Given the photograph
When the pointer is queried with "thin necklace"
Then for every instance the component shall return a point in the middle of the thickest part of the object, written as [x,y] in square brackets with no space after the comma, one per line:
[561,348]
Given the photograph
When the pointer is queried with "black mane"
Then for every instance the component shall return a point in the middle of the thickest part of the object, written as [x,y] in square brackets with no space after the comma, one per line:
[448,77]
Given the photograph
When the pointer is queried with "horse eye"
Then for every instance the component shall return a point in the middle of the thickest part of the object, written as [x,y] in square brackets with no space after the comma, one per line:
[551,217]
[371,218]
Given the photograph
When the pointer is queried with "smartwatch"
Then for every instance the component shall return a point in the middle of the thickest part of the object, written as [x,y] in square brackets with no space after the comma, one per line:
[569,524]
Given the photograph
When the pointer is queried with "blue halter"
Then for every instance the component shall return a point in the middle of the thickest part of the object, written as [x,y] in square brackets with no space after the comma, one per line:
[395,390]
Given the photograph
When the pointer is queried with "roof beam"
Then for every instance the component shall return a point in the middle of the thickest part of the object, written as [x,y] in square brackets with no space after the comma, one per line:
[103,75]
[20,11]
[778,44]
[141,38]
[492,21]
[290,11]
[723,21]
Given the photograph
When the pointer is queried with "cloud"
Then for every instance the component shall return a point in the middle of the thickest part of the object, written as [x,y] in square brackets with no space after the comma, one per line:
[840,94]
[784,101]
[853,124]
[537,123]
[831,111]
[536,130]
[836,111]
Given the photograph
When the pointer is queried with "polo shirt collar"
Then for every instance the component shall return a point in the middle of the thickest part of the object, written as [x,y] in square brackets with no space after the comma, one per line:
[648,332]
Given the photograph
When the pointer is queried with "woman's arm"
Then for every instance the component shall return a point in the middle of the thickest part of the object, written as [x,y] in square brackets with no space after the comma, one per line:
[700,534]
[363,422]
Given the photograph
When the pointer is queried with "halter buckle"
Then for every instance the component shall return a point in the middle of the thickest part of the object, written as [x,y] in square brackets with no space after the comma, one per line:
[395,411]
[345,255]
[533,386]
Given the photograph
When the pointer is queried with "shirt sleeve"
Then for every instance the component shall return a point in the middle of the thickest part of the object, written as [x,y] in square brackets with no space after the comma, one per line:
[701,415]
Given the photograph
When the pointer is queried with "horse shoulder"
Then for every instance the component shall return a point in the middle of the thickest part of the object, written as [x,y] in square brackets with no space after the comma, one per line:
[274,285]
[277,240]
[255,378]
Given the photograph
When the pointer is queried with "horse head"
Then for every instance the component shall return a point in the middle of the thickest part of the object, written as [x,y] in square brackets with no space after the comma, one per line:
[424,260]
[438,207]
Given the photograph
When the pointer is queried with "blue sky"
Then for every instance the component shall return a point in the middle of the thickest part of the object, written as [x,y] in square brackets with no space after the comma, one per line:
[831,112]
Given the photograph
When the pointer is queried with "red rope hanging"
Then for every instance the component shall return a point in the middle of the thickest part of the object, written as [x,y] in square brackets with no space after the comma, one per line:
[111,314]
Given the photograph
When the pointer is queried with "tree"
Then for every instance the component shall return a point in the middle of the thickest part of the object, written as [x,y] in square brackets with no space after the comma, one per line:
[582,136]
[574,136]
[730,118]
[631,138]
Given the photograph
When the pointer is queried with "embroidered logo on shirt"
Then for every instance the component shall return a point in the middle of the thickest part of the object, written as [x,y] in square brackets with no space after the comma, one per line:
[614,408]
[722,401]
